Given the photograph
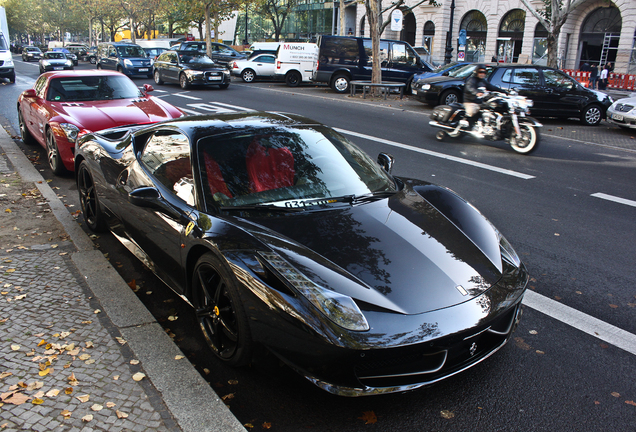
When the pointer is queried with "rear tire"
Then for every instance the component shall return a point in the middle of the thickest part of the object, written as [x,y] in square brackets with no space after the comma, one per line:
[340,83]
[293,79]
[53,154]
[440,136]
[158,79]
[89,203]
[27,138]
[183,81]
[248,75]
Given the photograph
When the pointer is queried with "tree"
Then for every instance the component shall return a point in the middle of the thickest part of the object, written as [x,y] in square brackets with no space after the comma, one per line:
[552,16]
[277,12]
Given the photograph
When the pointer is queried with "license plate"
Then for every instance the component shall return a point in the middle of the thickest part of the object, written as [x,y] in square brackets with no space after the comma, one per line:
[58,68]
[414,92]
[143,69]
[214,78]
[617,117]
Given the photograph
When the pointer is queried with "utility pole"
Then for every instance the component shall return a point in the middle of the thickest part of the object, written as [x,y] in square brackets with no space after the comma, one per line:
[449,35]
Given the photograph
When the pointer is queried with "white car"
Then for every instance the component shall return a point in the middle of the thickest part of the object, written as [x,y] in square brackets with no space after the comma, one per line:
[623,112]
[261,66]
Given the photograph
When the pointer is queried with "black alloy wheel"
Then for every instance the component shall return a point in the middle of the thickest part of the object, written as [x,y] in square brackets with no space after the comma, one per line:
[53,154]
[27,138]
[89,203]
[219,311]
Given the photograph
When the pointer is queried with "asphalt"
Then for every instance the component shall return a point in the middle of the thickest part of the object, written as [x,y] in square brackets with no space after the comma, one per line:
[78,350]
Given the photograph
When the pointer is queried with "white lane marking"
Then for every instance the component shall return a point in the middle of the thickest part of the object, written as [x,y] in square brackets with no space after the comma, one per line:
[212,108]
[186,96]
[614,199]
[439,155]
[189,111]
[235,107]
[581,321]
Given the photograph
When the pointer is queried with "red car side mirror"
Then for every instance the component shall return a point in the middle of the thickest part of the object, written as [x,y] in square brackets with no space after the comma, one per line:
[30,93]
[148,88]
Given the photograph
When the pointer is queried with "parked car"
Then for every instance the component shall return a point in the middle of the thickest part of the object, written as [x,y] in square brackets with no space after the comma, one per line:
[623,112]
[127,58]
[342,59]
[295,62]
[259,66]
[7,67]
[31,53]
[55,61]
[78,49]
[442,70]
[62,105]
[281,232]
[221,53]
[188,68]
[69,54]
[154,52]
[553,93]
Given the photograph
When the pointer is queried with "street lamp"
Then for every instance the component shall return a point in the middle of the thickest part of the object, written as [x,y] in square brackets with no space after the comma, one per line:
[449,35]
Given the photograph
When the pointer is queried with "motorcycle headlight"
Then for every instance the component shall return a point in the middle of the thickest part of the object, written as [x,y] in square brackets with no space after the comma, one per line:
[128,63]
[426,87]
[339,308]
[70,130]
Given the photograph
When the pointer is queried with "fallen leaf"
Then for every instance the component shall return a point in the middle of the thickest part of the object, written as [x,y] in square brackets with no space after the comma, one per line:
[68,390]
[447,414]
[42,342]
[52,393]
[172,318]
[16,399]
[138,376]
[522,344]
[369,417]
[613,306]
[37,401]
[267,425]
[630,402]
[120,340]
[178,357]
[84,356]
[540,352]
[134,362]
[97,407]
[110,404]
[15,347]
[121,415]
[232,382]
[616,394]
[228,396]
[44,372]
[87,418]
[65,413]
[533,332]
[5,374]
[83,398]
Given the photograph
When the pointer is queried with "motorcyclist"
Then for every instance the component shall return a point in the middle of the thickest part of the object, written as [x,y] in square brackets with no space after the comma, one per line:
[474,89]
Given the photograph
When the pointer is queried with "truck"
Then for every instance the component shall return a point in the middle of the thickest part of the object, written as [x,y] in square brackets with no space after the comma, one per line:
[295,61]
[7,69]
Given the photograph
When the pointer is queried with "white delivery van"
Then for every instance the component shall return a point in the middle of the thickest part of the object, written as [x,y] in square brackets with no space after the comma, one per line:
[295,61]
[7,69]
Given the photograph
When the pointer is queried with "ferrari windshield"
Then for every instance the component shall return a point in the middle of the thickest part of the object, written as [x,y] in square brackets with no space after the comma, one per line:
[286,167]
[91,88]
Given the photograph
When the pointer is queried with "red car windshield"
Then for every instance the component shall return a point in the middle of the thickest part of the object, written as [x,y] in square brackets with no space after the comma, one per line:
[91,88]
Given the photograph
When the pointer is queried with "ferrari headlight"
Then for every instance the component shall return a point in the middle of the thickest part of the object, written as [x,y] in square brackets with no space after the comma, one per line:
[70,130]
[339,308]
[508,254]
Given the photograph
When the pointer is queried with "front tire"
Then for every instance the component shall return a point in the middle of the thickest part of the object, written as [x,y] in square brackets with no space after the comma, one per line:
[53,154]
[449,97]
[89,203]
[293,79]
[248,75]
[527,142]
[340,83]
[183,81]
[219,311]
[592,115]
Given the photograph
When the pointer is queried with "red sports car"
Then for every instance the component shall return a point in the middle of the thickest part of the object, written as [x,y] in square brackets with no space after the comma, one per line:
[63,105]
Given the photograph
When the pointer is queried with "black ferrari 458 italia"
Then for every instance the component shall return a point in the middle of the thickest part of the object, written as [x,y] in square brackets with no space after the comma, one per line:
[282,233]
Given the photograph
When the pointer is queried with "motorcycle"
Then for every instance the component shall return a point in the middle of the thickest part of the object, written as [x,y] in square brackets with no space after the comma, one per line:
[502,116]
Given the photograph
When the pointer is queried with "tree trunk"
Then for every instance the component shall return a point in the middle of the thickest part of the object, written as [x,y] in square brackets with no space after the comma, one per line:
[373,16]
[208,35]
[552,50]
[342,18]
[132,30]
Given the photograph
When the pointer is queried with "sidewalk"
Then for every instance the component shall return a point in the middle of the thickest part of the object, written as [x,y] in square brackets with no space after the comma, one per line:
[78,350]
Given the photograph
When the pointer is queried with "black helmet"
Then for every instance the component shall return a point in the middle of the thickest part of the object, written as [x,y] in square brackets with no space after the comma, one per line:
[480,67]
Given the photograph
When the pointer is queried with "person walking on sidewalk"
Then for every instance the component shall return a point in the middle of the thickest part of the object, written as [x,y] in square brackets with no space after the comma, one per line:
[593,76]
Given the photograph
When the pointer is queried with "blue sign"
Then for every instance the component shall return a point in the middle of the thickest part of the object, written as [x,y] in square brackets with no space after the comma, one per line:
[462,37]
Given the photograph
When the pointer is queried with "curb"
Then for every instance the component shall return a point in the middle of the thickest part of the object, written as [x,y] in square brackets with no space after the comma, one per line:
[193,404]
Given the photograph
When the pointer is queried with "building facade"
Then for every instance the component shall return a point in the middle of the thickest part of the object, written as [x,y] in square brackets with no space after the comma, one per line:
[597,32]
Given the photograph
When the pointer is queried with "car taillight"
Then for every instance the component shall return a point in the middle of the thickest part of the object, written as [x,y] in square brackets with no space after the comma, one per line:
[234,65]
[277,65]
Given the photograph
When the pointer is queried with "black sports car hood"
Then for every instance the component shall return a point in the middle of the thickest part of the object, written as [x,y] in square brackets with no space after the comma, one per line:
[399,253]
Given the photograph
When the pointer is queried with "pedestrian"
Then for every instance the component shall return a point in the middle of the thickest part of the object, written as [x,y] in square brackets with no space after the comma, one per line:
[602,84]
[593,76]
[610,67]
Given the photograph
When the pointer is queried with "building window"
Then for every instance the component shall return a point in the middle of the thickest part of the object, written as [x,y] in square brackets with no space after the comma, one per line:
[510,37]
[540,46]
[476,26]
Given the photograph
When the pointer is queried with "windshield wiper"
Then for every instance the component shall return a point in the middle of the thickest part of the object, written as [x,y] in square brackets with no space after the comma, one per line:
[372,196]
[262,207]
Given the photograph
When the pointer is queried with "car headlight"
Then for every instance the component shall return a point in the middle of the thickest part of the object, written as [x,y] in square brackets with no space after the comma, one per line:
[426,87]
[191,73]
[70,130]
[69,62]
[226,72]
[46,63]
[152,61]
[339,308]
[508,253]
[128,63]
[8,62]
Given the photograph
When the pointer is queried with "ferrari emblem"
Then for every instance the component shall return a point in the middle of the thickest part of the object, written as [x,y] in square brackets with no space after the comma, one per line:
[217,312]
[473,349]
[189,228]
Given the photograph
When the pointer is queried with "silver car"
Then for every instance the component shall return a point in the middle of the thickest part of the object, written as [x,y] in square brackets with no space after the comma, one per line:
[623,112]
[259,66]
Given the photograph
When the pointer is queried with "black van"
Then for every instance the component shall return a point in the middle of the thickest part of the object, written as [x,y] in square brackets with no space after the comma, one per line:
[344,58]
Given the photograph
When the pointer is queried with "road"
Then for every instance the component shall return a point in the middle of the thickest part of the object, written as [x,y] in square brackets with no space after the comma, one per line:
[569,210]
